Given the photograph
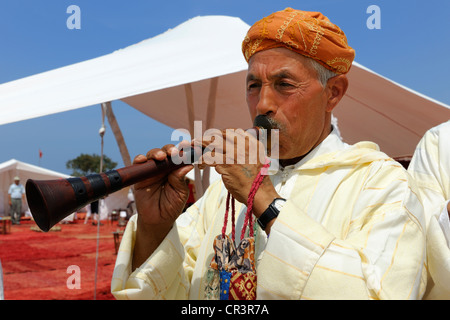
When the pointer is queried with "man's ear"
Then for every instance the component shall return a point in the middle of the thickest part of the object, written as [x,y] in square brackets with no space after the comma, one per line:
[336,87]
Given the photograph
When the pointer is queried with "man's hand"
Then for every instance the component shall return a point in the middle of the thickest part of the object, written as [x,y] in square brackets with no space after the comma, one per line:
[239,157]
[159,202]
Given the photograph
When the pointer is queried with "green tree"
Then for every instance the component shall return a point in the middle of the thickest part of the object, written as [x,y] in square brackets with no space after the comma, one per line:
[86,164]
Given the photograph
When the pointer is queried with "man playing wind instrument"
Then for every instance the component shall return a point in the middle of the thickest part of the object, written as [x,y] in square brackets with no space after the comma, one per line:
[336,221]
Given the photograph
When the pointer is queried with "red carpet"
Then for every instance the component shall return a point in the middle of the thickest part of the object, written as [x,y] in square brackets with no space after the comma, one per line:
[35,263]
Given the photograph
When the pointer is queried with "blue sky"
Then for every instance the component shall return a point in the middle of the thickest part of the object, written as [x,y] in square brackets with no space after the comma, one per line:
[412,48]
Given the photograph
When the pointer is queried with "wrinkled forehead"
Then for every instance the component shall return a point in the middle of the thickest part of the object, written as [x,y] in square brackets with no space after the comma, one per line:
[279,63]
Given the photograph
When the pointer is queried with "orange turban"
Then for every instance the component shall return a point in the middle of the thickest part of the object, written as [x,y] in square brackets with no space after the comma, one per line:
[308,33]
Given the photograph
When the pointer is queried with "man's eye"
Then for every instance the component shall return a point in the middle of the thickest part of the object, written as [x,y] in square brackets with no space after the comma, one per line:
[253,85]
[285,84]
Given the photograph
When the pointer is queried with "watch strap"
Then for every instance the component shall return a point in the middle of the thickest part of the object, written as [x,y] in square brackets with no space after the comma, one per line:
[269,214]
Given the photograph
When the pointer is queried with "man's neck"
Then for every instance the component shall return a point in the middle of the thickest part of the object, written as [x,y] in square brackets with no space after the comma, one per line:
[288,162]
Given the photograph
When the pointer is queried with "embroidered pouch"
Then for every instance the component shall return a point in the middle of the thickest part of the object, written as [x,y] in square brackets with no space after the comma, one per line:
[242,286]
[232,272]
[212,287]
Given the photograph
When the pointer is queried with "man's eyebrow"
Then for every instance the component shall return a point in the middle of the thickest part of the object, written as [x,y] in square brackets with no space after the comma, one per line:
[282,74]
[250,77]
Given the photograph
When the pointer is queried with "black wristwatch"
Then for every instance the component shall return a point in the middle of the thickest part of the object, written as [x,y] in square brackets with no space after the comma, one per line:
[271,212]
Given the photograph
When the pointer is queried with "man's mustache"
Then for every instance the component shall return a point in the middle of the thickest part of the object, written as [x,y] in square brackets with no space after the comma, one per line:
[266,122]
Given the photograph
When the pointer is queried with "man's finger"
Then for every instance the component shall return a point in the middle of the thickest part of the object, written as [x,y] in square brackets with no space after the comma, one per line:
[140,158]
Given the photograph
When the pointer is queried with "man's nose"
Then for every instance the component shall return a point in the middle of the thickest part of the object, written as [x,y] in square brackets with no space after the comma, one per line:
[267,102]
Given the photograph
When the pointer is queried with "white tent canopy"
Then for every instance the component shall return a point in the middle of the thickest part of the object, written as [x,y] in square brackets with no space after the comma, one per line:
[381,110]
[197,72]
[194,51]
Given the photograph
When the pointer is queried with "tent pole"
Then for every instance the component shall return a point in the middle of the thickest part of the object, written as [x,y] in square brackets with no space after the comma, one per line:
[190,107]
[102,133]
[211,111]
[117,133]
[210,115]
[191,116]
[120,140]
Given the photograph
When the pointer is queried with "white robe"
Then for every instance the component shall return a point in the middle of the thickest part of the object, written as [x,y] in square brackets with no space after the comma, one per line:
[430,167]
[352,228]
